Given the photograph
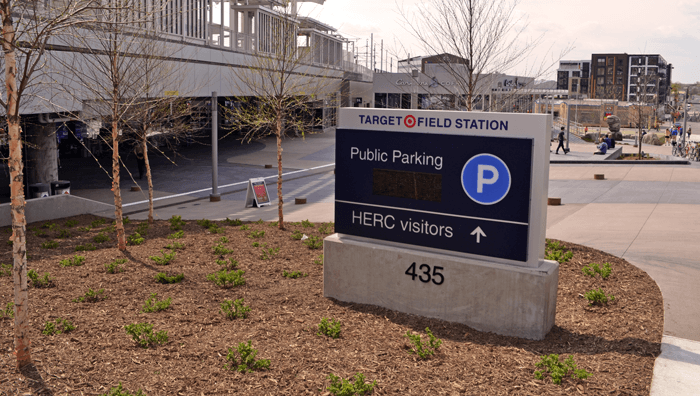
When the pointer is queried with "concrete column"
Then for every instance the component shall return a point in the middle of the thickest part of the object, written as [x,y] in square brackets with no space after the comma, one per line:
[42,153]
[214,196]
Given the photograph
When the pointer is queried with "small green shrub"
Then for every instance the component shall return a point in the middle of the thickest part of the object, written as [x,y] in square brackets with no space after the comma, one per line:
[176,246]
[555,251]
[269,253]
[97,223]
[260,221]
[247,362]
[327,228]
[234,309]
[142,334]
[205,223]
[598,297]
[424,349]
[176,223]
[256,234]
[75,261]
[319,260]
[223,239]
[5,269]
[100,238]
[314,242]
[594,268]
[84,229]
[293,274]
[63,234]
[245,227]
[307,224]
[176,235]
[44,281]
[558,370]
[164,259]
[216,229]
[297,235]
[233,223]
[162,277]
[134,239]
[49,245]
[9,311]
[119,391]
[50,225]
[86,247]
[343,387]
[58,327]
[230,264]
[226,279]
[40,233]
[220,249]
[125,220]
[142,229]
[274,224]
[9,242]
[71,223]
[114,266]
[330,328]
[92,296]
[257,244]
[153,305]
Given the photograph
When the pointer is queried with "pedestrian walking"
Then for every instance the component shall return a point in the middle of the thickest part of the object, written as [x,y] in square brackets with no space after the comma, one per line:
[140,160]
[668,137]
[561,141]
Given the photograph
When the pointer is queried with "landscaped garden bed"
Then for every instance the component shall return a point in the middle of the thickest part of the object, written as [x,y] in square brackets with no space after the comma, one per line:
[229,289]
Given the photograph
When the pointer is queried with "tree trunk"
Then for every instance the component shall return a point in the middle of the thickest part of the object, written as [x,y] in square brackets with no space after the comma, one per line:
[148,178]
[280,201]
[121,238]
[19,222]
[43,158]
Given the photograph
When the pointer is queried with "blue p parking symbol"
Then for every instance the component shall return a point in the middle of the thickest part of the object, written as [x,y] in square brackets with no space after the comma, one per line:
[486,179]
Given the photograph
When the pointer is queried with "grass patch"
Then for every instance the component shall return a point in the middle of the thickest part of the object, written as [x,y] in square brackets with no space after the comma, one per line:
[269,253]
[71,223]
[176,223]
[307,224]
[75,261]
[92,296]
[8,311]
[115,266]
[234,309]
[85,247]
[555,251]
[143,335]
[176,235]
[134,239]
[176,246]
[220,249]
[319,260]
[314,242]
[293,274]
[97,223]
[423,349]
[100,238]
[63,234]
[227,264]
[164,259]
[343,387]
[593,269]
[330,328]
[163,278]
[233,223]
[256,234]
[153,305]
[227,279]
[5,269]
[40,282]
[558,370]
[119,391]
[49,245]
[57,327]
[297,235]
[245,362]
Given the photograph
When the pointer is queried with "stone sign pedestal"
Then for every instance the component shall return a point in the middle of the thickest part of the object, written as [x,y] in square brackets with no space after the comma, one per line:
[499,298]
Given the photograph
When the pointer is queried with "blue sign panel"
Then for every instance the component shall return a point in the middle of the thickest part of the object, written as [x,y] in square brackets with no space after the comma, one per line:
[461,193]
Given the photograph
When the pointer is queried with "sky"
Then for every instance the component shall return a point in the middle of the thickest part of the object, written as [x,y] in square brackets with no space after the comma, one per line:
[670,28]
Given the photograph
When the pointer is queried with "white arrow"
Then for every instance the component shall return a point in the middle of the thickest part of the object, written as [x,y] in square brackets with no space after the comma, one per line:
[479,233]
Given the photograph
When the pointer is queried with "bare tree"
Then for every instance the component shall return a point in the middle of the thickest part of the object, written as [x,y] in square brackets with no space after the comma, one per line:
[27,28]
[479,37]
[282,87]
[645,91]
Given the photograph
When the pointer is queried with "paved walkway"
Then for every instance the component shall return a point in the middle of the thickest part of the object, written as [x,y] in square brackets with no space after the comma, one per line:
[648,214]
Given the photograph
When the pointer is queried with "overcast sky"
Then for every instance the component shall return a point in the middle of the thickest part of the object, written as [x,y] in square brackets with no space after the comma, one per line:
[670,28]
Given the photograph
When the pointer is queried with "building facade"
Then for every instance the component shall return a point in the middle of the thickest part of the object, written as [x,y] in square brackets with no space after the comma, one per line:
[574,76]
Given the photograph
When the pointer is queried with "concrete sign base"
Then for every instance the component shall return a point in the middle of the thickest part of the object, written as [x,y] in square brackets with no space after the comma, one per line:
[499,298]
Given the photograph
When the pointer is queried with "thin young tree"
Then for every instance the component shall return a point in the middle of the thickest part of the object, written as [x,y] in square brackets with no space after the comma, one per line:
[111,80]
[282,87]
[480,38]
[27,28]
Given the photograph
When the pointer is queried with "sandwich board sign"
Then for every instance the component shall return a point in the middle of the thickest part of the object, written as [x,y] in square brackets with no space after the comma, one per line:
[257,195]
[467,183]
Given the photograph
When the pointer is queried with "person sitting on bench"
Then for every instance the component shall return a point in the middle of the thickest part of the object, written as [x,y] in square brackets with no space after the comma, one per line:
[602,147]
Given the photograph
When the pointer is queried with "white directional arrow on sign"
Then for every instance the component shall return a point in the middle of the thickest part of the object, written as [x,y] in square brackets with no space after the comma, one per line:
[479,233]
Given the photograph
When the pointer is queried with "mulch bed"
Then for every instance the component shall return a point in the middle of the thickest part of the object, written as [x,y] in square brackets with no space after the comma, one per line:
[618,343]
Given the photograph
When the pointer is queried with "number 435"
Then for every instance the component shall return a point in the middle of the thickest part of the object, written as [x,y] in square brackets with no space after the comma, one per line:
[426,276]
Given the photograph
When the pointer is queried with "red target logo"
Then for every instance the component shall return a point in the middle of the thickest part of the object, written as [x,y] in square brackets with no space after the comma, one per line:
[409,121]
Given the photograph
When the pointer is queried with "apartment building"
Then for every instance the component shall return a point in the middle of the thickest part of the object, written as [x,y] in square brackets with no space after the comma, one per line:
[574,76]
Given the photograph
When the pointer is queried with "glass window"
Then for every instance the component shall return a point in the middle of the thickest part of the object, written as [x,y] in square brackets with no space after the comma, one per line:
[380,100]
[394,101]
[576,74]
[216,12]
[405,101]
[601,71]
[601,80]
[601,61]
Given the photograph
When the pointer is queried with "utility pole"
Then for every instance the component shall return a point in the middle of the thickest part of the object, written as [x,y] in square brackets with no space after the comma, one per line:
[367,53]
[381,57]
[685,117]
[371,51]
[214,196]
